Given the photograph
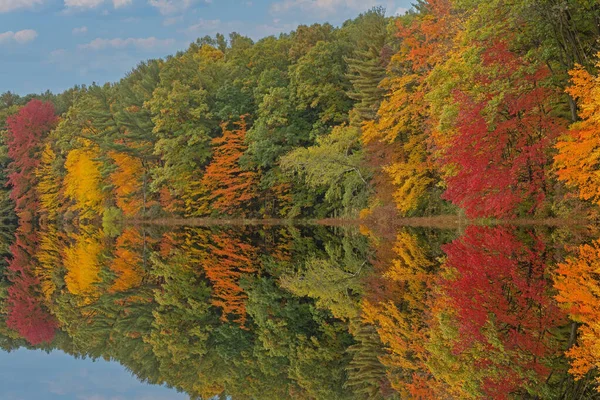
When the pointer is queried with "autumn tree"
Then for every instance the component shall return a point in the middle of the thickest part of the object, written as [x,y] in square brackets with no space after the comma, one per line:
[128,263]
[27,311]
[577,160]
[578,286]
[82,183]
[26,130]
[226,261]
[403,122]
[501,313]
[230,189]
[399,313]
[127,180]
[499,154]
[82,262]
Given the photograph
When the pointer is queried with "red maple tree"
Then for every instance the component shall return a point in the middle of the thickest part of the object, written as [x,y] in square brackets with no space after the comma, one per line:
[26,130]
[501,150]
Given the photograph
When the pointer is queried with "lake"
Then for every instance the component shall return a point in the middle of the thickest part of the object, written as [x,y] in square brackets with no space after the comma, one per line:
[298,312]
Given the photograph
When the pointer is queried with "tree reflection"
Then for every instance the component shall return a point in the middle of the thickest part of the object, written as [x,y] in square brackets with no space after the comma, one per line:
[311,312]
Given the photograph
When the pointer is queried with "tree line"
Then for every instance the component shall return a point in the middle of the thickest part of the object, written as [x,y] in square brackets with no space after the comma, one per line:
[483,107]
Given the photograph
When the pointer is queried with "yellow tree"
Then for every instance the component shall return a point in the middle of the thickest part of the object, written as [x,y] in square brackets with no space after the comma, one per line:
[49,258]
[49,183]
[82,263]
[404,119]
[399,315]
[83,180]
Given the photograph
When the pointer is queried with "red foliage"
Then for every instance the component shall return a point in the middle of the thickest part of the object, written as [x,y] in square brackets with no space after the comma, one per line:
[26,313]
[501,149]
[25,132]
[503,281]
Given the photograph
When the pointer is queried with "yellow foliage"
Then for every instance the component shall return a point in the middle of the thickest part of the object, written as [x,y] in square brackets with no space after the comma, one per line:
[412,176]
[83,180]
[398,114]
[49,258]
[410,264]
[195,198]
[394,330]
[401,118]
[208,53]
[83,267]
[48,186]
[400,318]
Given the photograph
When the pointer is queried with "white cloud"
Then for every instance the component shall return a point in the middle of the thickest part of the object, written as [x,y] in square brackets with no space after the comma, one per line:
[83,4]
[12,5]
[206,26]
[401,11]
[324,8]
[25,36]
[169,7]
[20,37]
[80,31]
[54,55]
[121,3]
[149,43]
[173,20]
[166,7]
[213,26]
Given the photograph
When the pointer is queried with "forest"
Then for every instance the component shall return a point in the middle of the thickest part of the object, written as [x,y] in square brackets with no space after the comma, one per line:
[460,106]
[487,110]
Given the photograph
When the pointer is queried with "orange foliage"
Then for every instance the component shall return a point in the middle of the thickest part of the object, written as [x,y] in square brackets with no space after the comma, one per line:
[577,160]
[229,187]
[127,181]
[578,288]
[128,261]
[403,116]
[168,201]
[227,260]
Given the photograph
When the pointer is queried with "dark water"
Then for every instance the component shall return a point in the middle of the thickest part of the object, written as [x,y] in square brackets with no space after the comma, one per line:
[286,312]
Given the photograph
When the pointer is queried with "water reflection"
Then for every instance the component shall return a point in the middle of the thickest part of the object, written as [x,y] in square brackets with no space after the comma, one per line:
[314,312]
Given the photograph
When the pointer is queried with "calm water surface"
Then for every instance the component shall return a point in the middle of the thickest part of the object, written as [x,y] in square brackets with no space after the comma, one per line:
[286,312]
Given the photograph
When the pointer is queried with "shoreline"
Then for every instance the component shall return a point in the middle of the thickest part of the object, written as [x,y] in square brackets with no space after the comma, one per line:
[441,221]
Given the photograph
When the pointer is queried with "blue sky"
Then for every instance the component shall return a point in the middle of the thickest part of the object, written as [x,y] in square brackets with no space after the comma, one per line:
[55,44]
[34,375]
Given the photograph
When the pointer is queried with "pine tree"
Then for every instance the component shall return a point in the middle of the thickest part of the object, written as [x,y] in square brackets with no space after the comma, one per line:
[367,65]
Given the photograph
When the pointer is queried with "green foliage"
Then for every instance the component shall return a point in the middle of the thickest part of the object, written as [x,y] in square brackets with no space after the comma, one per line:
[335,164]
[112,221]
